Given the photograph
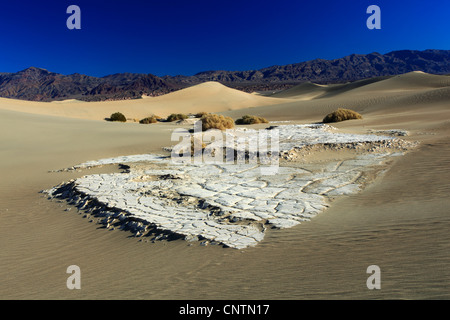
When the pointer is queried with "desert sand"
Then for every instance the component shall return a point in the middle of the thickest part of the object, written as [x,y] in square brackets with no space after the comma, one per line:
[209,96]
[399,222]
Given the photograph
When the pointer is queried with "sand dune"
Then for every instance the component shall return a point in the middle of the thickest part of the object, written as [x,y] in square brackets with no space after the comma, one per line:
[400,222]
[209,96]
[406,82]
[304,91]
[306,100]
[308,90]
[412,92]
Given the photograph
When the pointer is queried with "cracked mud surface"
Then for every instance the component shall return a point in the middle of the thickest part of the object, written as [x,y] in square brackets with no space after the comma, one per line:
[230,204]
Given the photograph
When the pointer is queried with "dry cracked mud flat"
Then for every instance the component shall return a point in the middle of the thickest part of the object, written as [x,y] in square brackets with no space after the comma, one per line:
[230,204]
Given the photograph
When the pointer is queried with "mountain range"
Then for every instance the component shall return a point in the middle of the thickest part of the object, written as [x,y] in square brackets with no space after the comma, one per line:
[38,84]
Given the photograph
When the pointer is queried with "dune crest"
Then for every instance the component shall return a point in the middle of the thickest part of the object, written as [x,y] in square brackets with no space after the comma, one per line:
[209,96]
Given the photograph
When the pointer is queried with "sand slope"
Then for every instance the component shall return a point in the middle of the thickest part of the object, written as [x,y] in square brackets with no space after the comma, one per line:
[409,92]
[309,90]
[406,82]
[304,91]
[209,96]
[305,101]
[400,223]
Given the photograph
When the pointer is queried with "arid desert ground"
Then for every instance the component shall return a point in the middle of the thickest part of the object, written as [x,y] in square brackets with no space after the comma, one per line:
[400,221]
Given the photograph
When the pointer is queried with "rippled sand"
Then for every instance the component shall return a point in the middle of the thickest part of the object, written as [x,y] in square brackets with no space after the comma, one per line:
[400,222]
[228,203]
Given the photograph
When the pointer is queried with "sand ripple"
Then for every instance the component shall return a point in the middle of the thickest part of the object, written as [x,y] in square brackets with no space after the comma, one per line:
[230,204]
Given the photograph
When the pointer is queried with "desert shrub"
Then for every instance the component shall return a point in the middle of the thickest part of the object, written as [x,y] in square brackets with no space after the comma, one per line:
[118,116]
[151,119]
[215,121]
[341,115]
[176,116]
[200,114]
[251,120]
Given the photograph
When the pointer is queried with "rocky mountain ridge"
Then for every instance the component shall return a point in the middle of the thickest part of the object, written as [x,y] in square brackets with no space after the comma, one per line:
[38,84]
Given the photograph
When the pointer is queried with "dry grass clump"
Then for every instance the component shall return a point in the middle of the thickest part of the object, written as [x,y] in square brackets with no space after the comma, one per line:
[341,115]
[215,121]
[176,117]
[151,119]
[118,116]
[251,120]
[201,114]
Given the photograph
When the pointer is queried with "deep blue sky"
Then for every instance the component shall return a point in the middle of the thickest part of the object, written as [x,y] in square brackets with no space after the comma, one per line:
[185,37]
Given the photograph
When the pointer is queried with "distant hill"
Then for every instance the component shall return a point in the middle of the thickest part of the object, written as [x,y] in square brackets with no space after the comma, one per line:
[41,85]
[350,68]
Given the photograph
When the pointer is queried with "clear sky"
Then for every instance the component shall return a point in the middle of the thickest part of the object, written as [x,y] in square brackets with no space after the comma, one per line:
[185,37]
